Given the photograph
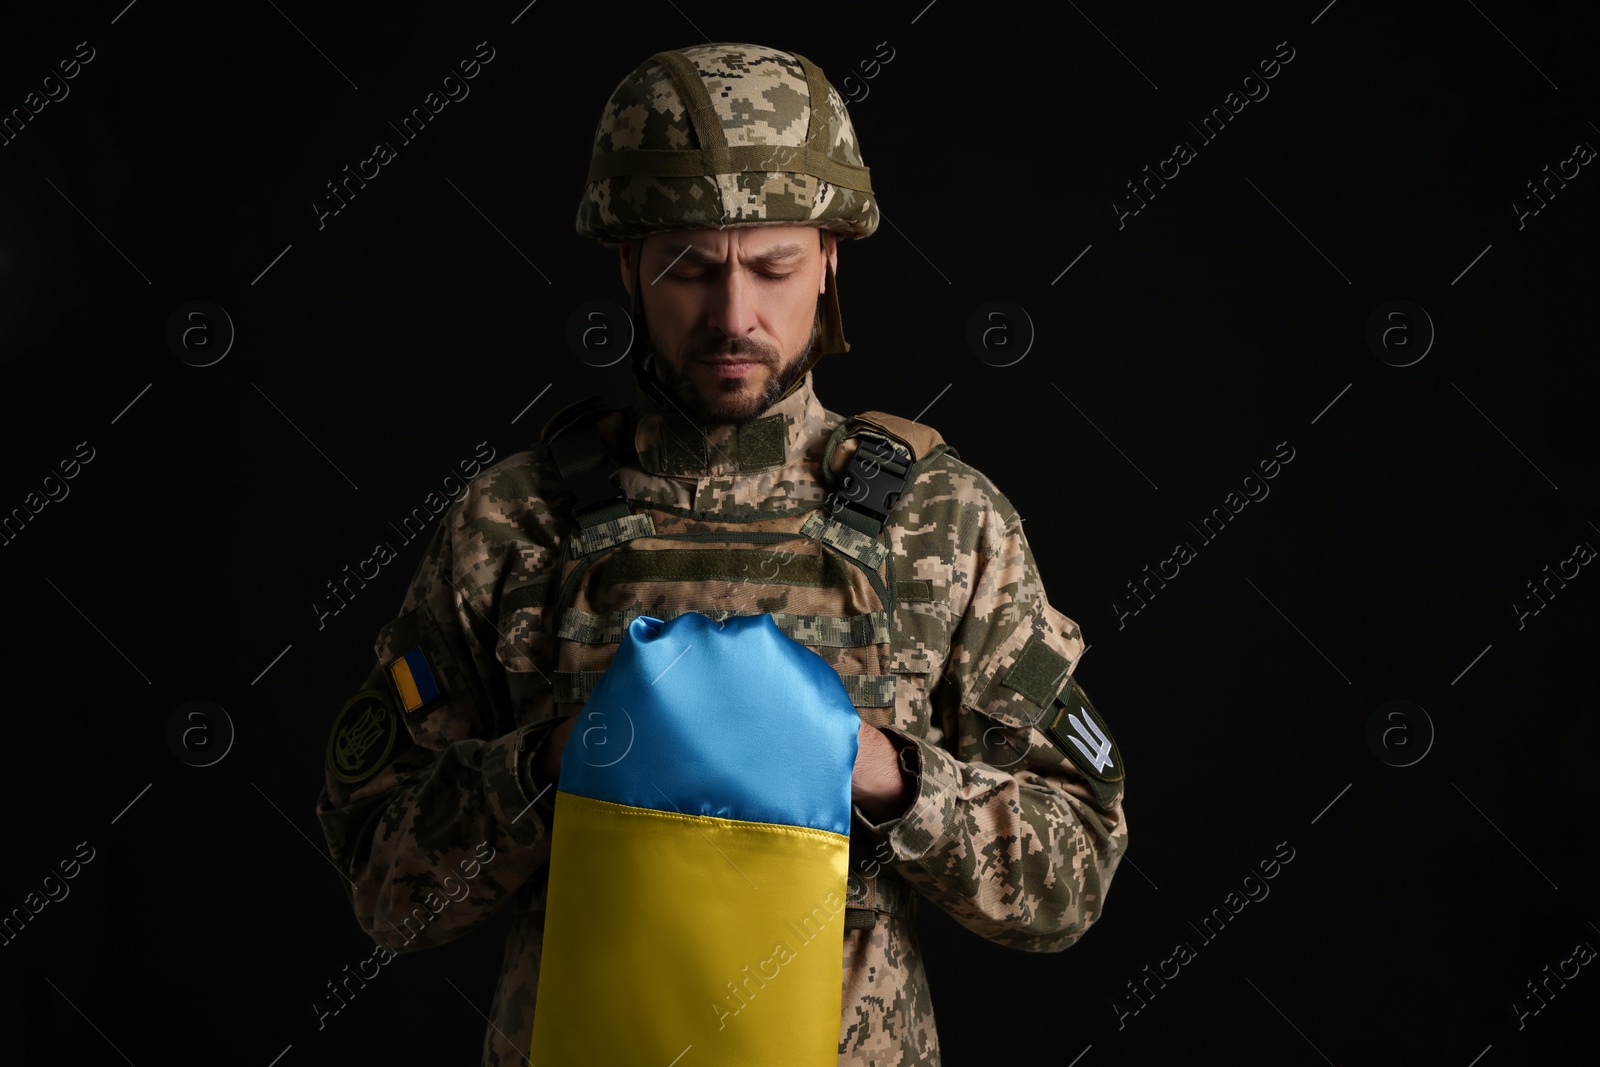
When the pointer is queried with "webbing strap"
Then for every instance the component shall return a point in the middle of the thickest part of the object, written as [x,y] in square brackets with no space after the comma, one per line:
[824,631]
[869,690]
[821,106]
[853,542]
[865,690]
[728,565]
[607,533]
[702,113]
[890,897]
[739,159]
[574,687]
[589,477]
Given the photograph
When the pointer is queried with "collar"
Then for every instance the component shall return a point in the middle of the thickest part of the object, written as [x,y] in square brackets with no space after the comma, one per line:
[668,442]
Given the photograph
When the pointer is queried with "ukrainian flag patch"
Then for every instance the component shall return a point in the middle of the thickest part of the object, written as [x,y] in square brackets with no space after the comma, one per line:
[413,679]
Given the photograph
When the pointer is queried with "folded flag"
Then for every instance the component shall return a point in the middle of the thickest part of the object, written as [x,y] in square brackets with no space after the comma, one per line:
[699,852]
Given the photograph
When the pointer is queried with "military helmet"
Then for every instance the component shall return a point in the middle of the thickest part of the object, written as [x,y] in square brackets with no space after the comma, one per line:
[720,135]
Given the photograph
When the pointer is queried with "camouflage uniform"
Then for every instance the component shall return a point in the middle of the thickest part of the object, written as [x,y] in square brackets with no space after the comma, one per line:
[432,808]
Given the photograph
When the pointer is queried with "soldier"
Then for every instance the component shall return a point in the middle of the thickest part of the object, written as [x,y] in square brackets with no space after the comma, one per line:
[985,781]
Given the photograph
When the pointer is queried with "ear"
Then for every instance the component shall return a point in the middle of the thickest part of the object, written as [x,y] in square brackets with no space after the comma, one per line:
[830,242]
[625,260]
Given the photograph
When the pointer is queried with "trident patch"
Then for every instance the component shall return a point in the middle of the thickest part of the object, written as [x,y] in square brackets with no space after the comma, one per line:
[1079,731]
[363,737]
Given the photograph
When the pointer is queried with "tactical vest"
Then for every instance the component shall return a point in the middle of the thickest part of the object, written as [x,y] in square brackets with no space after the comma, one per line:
[823,571]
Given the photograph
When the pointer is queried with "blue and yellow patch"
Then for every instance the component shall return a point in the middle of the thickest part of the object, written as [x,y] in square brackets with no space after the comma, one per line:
[413,679]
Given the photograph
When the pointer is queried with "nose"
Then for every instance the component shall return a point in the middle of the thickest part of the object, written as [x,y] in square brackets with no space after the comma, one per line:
[732,307]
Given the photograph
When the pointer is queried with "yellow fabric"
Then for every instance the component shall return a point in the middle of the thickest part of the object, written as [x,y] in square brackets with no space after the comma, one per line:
[667,933]
[401,672]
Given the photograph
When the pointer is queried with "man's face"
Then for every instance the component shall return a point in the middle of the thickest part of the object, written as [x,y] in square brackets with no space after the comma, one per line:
[731,314]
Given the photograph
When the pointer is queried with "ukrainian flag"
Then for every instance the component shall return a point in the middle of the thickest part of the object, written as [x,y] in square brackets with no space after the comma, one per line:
[413,679]
[698,855]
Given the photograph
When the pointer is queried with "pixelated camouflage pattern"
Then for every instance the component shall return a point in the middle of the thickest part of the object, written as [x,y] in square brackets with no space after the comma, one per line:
[761,97]
[887,1016]
[813,592]
[1005,834]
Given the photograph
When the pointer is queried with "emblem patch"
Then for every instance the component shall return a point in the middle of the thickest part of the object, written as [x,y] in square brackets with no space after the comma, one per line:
[1077,729]
[363,737]
[413,680]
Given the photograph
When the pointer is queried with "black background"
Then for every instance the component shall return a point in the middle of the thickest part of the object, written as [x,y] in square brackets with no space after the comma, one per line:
[1180,350]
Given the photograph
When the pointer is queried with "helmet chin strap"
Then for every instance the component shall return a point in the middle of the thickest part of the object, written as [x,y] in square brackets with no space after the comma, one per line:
[639,358]
[830,336]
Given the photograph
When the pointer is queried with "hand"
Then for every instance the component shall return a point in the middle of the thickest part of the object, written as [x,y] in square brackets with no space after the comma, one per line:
[548,760]
[877,784]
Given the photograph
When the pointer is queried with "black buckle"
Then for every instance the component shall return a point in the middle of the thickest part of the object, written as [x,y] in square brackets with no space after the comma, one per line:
[868,485]
[597,486]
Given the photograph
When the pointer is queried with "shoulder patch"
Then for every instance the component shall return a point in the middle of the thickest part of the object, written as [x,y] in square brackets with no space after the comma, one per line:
[363,737]
[1078,730]
[412,677]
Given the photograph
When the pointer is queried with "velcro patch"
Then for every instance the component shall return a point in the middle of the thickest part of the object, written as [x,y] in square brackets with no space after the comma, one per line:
[363,737]
[1037,671]
[1078,730]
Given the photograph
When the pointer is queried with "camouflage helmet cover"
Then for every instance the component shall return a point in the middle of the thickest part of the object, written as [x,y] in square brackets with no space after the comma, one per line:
[720,135]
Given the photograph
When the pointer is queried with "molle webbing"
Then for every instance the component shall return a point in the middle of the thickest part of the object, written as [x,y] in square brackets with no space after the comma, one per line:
[726,565]
[866,690]
[868,629]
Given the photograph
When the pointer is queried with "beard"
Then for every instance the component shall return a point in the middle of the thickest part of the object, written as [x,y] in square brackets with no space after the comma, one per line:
[728,400]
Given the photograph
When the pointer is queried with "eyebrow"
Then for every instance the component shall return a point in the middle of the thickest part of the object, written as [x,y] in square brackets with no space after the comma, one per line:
[706,257]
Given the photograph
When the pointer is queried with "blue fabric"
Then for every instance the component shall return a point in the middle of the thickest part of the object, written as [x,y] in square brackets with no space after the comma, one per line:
[421,674]
[735,720]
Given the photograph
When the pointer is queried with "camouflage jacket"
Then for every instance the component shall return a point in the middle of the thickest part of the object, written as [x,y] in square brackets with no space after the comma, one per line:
[1016,828]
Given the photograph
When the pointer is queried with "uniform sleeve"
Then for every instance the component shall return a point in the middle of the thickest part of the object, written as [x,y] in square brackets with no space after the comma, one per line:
[427,804]
[1017,826]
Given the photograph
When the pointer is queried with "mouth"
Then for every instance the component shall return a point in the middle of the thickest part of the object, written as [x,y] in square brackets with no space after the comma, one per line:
[731,366]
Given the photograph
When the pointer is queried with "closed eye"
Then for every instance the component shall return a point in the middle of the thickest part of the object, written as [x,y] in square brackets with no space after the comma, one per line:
[694,276]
